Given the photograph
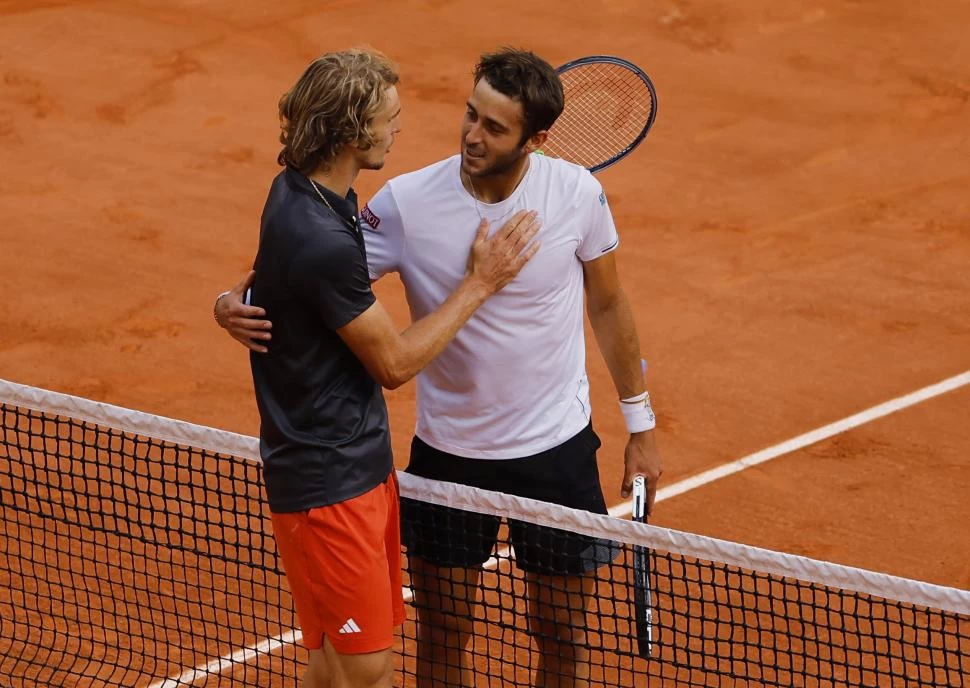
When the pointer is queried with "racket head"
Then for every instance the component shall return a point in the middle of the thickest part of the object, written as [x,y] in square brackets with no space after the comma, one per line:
[611,105]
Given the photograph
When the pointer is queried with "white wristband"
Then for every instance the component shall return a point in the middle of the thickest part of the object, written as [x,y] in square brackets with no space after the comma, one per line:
[637,414]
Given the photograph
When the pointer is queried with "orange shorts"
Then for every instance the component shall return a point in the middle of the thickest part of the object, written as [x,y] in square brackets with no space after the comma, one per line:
[343,565]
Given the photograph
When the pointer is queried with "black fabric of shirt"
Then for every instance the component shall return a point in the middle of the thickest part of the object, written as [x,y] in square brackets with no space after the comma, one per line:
[323,422]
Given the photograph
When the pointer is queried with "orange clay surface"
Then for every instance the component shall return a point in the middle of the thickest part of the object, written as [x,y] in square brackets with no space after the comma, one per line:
[795,230]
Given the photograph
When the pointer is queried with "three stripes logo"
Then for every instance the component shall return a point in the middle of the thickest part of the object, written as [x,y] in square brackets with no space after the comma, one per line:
[350,626]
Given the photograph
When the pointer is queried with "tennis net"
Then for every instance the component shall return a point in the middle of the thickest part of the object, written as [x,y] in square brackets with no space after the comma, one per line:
[136,551]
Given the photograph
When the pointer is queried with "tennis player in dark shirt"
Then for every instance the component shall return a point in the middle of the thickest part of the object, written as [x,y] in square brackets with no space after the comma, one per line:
[324,435]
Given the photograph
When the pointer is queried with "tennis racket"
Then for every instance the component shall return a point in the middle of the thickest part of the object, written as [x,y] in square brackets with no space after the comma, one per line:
[642,598]
[610,106]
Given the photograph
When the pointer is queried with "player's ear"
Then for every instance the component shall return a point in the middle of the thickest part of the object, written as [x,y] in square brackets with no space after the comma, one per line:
[536,141]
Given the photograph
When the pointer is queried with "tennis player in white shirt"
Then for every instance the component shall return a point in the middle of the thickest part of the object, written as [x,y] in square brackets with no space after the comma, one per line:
[506,406]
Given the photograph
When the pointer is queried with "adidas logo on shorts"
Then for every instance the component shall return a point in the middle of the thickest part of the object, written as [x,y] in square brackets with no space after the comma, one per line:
[350,626]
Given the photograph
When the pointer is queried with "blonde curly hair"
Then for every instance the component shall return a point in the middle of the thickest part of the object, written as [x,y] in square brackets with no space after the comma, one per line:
[333,104]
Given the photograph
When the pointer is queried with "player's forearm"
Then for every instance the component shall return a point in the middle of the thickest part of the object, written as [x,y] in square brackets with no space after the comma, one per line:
[616,334]
[428,337]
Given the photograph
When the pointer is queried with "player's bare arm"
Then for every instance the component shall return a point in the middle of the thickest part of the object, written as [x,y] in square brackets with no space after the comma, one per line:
[616,334]
[393,358]
[492,263]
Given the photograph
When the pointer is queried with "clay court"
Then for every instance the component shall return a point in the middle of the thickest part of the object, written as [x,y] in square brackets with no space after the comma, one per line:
[795,230]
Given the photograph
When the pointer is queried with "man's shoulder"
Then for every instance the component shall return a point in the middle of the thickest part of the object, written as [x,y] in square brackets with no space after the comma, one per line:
[564,169]
[292,218]
[570,179]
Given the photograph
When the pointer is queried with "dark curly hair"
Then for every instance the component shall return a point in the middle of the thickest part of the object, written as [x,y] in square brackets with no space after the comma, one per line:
[527,78]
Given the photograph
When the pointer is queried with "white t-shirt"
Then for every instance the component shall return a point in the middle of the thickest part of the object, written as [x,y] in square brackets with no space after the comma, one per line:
[513,382]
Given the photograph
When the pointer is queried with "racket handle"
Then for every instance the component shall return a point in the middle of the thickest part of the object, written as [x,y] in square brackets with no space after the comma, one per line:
[639,498]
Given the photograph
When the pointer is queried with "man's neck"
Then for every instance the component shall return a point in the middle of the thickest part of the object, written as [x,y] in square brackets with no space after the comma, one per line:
[339,177]
[496,188]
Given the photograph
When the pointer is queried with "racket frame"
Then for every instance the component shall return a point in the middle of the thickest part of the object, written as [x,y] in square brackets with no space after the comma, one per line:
[642,75]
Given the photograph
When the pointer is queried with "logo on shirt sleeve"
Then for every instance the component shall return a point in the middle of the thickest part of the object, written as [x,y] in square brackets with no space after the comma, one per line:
[602,198]
[373,222]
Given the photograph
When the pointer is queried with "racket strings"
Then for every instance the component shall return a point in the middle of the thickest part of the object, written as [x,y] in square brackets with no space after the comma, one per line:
[611,108]
[607,107]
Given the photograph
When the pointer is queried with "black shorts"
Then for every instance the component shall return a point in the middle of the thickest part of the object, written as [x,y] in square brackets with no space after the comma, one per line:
[566,475]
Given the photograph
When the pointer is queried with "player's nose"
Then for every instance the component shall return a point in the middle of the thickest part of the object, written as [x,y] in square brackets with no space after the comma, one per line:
[473,135]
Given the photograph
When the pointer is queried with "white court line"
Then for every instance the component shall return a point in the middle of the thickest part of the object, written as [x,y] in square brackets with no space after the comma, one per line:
[802,441]
[292,636]
[190,676]
[228,662]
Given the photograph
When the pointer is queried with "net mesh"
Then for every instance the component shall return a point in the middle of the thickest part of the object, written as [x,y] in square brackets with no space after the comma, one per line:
[607,108]
[129,560]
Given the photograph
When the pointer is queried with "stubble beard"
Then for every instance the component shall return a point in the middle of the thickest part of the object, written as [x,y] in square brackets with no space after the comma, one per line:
[497,168]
